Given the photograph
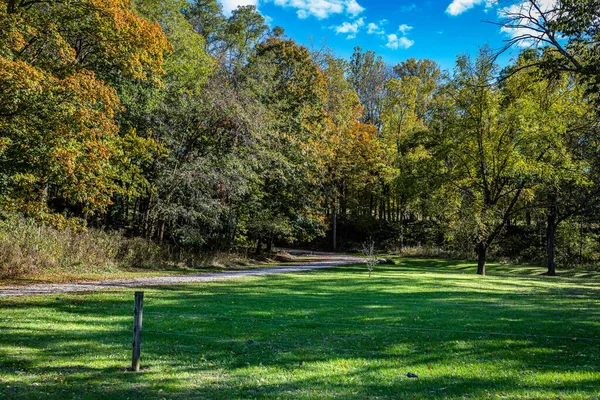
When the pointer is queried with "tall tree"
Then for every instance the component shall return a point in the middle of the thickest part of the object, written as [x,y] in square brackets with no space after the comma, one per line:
[368,74]
[343,111]
[283,77]
[560,121]
[404,133]
[487,153]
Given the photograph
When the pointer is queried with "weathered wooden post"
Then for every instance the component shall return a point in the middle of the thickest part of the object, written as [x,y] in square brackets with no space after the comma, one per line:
[137,330]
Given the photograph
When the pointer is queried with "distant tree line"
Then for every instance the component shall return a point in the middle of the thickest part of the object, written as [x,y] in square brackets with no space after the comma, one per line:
[170,121]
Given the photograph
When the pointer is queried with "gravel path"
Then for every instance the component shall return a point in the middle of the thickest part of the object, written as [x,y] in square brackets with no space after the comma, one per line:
[324,260]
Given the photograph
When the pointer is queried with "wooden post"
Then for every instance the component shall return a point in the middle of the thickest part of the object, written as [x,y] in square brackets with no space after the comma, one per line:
[137,330]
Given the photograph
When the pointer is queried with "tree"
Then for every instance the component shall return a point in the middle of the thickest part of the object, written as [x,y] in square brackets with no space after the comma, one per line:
[405,116]
[560,120]
[207,19]
[282,76]
[60,141]
[342,110]
[243,31]
[487,153]
[368,74]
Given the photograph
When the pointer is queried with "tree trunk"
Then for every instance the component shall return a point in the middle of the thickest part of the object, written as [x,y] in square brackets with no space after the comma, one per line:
[482,248]
[270,241]
[161,231]
[343,201]
[401,234]
[550,236]
[334,227]
[580,241]
[259,246]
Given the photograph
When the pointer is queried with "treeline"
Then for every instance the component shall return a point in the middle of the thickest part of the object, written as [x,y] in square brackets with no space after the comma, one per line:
[170,121]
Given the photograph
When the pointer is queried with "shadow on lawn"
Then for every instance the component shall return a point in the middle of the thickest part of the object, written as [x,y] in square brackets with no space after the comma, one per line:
[333,333]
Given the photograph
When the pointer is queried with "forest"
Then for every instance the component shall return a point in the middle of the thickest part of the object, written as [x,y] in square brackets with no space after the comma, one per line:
[170,124]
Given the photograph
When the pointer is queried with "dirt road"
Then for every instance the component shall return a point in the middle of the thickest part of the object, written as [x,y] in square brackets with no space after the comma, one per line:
[322,260]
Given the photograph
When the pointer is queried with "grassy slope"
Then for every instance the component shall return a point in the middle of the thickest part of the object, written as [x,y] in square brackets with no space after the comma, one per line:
[324,334]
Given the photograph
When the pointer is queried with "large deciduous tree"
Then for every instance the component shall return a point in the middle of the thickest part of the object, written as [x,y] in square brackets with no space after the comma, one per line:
[561,121]
[487,152]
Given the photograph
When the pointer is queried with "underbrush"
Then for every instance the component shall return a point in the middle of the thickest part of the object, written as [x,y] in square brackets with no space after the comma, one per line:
[440,253]
[431,252]
[28,249]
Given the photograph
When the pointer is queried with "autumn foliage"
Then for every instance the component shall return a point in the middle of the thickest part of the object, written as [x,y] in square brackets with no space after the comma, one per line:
[58,131]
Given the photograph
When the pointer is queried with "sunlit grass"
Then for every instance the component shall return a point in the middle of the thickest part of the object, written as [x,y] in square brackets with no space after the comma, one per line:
[324,334]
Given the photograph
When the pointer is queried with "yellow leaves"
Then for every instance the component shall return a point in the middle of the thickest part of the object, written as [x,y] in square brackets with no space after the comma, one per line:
[4,142]
[12,34]
[60,132]
[18,78]
[136,44]
[25,178]
[419,153]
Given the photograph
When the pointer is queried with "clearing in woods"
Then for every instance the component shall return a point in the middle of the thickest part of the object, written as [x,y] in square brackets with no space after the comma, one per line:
[328,333]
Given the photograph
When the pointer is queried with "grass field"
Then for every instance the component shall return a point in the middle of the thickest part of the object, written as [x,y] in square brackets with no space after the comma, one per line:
[325,334]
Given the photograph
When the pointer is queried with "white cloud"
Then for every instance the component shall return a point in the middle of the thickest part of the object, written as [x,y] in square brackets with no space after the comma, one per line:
[395,42]
[404,28]
[458,7]
[230,5]
[525,8]
[351,28]
[405,43]
[353,8]
[373,28]
[321,9]
[376,29]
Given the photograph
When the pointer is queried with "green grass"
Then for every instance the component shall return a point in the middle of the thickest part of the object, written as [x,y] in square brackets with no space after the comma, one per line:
[325,334]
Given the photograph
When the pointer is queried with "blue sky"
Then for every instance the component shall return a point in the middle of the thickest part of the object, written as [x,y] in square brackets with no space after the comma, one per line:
[397,30]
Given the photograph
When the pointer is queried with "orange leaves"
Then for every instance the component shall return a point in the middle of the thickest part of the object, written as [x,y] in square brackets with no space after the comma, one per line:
[93,34]
[137,45]
[19,80]
[12,34]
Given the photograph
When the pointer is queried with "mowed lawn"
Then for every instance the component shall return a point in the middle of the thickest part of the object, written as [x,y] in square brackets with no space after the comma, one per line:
[332,333]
